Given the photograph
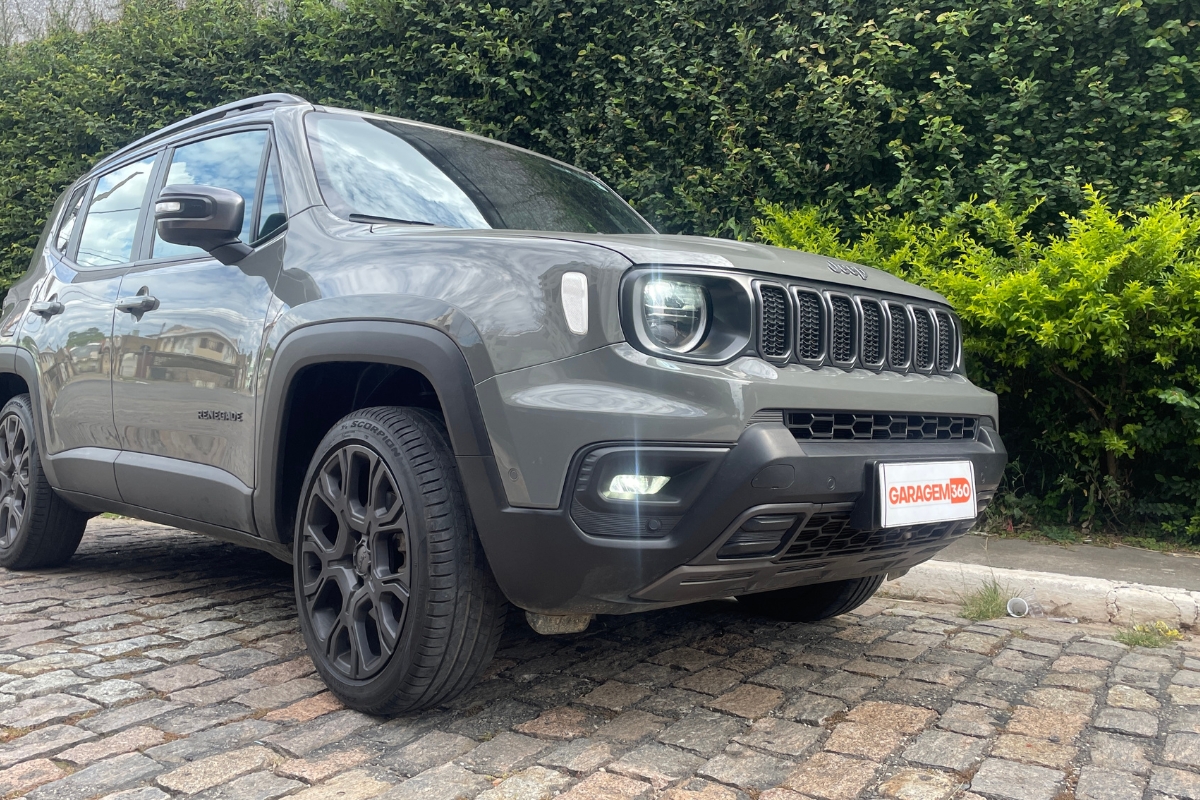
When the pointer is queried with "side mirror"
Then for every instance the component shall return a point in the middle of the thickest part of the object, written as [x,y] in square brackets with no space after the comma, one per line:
[207,217]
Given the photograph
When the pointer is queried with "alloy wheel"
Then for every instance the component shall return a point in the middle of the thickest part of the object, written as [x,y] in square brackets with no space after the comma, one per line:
[354,569]
[14,477]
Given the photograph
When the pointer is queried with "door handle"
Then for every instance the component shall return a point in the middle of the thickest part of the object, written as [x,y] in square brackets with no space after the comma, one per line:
[46,308]
[138,304]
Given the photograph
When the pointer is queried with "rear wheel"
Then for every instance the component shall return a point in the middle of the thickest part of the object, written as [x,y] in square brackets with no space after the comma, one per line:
[812,603]
[397,605]
[37,527]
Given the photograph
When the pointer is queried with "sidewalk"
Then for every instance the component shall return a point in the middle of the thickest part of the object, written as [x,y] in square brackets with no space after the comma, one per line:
[1122,585]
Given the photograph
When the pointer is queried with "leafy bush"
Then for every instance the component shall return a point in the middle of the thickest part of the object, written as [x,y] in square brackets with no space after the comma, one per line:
[1090,338]
[694,109]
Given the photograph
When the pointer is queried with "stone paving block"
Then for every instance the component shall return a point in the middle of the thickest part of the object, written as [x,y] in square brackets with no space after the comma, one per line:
[46,683]
[196,776]
[1134,723]
[1183,749]
[187,722]
[673,702]
[126,741]
[430,750]
[1079,664]
[607,786]
[1175,782]
[504,753]
[535,783]
[1033,751]
[631,726]
[356,785]
[182,676]
[280,694]
[831,777]
[749,701]
[657,764]
[711,680]
[204,647]
[685,658]
[317,770]
[787,677]
[37,711]
[211,741]
[918,784]
[561,723]
[1013,781]
[893,716]
[868,741]
[811,709]
[946,750]
[1180,695]
[282,673]
[50,663]
[111,692]
[28,775]
[1100,784]
[704,732]
[780,736]
[747,769]
[447,782]
[845,686]
[1116,753]
[969,720]
[217,692]
[307,709]
[255,786]
[1121,696]
[243,658]
[101,778]
[1044,723]
[614,695]
[41,742]
[495,717]
[126,716]
[121,666]
[579,756]
[303,739]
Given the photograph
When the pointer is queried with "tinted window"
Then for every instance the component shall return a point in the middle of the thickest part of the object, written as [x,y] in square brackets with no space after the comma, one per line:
[273,214]
[63,238]
[231,162]
[385,168]
[112,215]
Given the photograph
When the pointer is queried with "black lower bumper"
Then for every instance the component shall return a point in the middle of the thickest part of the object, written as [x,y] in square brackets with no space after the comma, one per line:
[809,508]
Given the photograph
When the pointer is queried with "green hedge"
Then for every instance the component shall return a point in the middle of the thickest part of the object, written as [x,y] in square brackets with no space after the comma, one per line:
[694,109]
[1090,338]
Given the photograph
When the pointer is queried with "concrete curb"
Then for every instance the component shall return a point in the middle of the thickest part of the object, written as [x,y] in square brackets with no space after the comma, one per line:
[1087,599]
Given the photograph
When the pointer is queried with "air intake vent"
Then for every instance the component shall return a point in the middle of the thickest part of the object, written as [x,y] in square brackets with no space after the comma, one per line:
[900,335]
[945,341]
[848,426]
[872,333]
[842,329]
[809,343]
[923,351]
[774,330]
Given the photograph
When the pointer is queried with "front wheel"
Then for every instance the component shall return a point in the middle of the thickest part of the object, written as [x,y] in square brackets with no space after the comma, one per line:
[812,603]
[397,605]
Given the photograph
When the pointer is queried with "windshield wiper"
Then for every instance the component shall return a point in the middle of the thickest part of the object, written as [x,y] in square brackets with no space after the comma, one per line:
[372,218]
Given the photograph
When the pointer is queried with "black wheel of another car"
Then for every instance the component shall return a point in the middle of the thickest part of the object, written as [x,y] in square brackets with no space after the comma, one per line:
[37,527]
[812,603]
[397,605]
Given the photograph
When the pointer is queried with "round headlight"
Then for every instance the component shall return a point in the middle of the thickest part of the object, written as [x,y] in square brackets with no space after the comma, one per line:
[675,314]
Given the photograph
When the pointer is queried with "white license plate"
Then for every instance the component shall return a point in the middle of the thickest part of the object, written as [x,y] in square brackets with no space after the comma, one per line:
[931,491]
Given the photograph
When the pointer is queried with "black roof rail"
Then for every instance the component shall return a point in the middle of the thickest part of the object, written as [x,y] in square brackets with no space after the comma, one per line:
[212,115]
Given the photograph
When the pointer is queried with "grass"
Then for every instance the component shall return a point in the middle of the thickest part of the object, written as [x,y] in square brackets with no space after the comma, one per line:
[1158,634]
[989,601]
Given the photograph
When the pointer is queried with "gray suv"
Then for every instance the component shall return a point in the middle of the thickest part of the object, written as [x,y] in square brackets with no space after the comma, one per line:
[440,374]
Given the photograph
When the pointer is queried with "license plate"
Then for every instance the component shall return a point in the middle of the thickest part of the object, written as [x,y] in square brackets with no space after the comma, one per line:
[931,491]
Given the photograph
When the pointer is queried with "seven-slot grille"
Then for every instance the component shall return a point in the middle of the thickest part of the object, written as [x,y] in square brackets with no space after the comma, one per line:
[861,426]
[818,328]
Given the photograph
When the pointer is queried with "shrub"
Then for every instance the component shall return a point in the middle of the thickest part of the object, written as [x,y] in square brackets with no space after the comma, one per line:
[694,109]
[1089,337]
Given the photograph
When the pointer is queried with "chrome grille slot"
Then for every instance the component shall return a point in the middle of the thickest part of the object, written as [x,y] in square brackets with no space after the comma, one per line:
[923,346]
[873,332]
[773,326]
[945,341]
[810,343]
[841,333]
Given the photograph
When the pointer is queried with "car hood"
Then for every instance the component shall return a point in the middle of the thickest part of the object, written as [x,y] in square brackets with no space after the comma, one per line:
[699,251]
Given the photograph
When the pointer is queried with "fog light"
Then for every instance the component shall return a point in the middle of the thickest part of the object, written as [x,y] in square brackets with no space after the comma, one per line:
[631,487]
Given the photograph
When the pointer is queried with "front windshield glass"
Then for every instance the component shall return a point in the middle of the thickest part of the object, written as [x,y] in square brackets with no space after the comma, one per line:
[386,169]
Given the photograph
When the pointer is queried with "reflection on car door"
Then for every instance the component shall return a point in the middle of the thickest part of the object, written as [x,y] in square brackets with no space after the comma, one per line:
[184,368]
[70,322]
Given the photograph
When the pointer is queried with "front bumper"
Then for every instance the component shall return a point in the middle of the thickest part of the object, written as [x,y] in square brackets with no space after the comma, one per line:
[545,562]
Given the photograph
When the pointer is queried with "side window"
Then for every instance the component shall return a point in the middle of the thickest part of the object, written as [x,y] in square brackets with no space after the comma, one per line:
[112,215]
[67,226]
[273,213]
[231,162]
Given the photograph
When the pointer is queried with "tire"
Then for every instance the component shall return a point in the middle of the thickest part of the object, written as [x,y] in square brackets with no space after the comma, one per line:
[396,601]
[812,603]
[37,527]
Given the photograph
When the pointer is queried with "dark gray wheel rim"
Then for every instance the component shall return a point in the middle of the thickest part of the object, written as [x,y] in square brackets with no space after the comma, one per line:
[354,565]
[14,477]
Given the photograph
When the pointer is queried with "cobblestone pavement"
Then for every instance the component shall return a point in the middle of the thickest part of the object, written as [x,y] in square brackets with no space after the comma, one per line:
[164,664]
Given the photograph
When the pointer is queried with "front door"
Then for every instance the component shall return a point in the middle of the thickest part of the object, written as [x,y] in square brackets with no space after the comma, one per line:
[186,346]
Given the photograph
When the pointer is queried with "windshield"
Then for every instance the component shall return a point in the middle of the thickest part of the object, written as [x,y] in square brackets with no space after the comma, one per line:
[382,170]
